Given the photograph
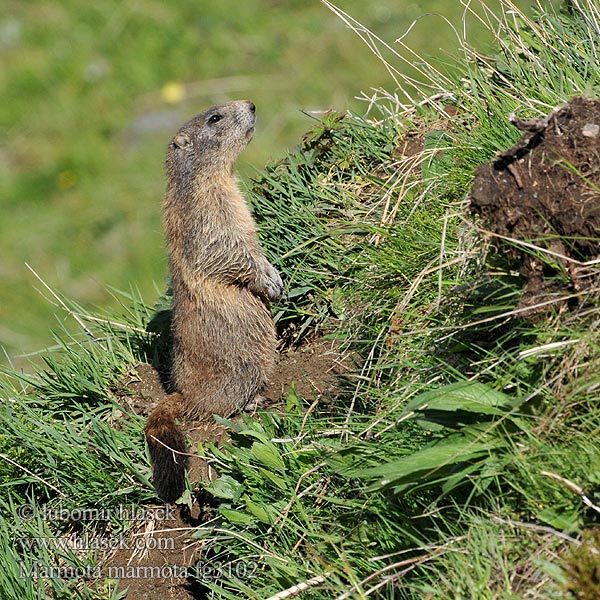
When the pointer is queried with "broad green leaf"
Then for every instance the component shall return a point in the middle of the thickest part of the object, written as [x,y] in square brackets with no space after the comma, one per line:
[226,487]
[467,396]
[245,426]
[253,433]
[260,511]
[268,455]
[235,516]
[274,479]
[433,461]
[456,479]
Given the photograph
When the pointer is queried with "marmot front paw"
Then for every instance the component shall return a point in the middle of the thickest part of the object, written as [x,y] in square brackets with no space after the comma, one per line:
[269,284]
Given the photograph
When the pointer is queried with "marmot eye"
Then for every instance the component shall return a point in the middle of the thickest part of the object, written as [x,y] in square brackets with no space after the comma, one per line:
[215,118]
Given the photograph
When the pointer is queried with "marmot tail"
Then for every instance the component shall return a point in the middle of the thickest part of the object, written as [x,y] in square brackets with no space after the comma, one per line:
[167,447]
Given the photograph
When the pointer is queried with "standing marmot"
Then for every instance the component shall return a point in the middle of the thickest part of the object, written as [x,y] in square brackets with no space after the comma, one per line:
[224,337]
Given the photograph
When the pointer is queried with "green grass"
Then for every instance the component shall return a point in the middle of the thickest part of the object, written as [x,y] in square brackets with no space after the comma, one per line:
[448,465]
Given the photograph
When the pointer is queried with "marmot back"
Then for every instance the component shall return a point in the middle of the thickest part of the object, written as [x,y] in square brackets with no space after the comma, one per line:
[223,333]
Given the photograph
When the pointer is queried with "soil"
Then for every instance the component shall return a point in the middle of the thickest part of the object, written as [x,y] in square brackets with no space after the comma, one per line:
[545,192]
[169,548]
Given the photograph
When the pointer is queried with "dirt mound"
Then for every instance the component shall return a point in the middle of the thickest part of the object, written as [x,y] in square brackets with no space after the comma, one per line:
[543,195]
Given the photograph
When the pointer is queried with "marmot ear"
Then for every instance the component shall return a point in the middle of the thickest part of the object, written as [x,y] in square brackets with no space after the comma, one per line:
[181,140]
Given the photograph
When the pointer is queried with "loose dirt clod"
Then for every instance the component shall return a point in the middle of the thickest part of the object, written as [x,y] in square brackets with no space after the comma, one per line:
[544,195]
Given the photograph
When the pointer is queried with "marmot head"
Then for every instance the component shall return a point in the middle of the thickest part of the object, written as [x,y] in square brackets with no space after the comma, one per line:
[209,143]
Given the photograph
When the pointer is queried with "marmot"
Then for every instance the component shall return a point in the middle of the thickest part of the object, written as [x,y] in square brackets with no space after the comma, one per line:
[223,332]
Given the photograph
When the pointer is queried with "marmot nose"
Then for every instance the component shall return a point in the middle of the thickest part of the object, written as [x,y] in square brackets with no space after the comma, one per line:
[251,107]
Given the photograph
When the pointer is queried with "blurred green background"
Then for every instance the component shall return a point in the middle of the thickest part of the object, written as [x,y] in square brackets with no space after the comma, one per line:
[92,92]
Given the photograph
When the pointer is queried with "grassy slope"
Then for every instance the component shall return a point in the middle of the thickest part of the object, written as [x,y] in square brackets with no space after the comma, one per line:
[91,93]
[374,249]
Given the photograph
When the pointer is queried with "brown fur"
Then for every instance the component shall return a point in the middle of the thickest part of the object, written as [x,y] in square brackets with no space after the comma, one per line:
[223,332]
